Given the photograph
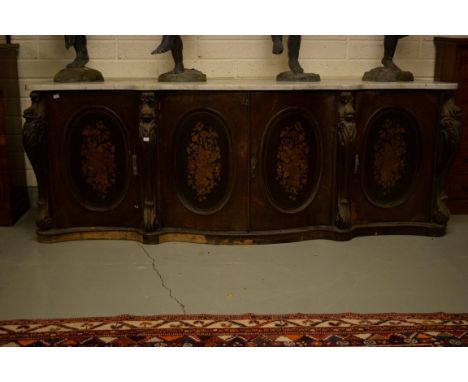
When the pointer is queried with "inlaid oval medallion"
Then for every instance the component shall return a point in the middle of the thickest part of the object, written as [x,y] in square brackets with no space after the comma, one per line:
[203,161]
[97,158]
[391,157]
[291,160]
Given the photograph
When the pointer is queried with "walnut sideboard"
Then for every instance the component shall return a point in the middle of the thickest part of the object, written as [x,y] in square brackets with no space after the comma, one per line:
[240,161]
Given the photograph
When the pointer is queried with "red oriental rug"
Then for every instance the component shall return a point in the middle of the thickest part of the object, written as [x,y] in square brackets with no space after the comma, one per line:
[392,329]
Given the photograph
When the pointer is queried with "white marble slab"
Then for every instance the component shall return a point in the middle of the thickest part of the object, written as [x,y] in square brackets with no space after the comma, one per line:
[241,84]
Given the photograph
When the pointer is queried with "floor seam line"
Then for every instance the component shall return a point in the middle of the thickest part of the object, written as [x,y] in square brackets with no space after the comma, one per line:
[153,263]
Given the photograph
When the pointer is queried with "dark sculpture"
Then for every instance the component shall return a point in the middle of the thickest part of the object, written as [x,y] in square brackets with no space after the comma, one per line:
[147,127]
[81,49]
[76,71]
[296,72]
[390,72]
[346,148]
[449,143]
[179,73]
[35,145]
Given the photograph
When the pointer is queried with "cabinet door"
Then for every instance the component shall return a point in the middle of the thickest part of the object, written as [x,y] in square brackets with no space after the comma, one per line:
[92,138]
[394,163]
[203,160]
[292,159]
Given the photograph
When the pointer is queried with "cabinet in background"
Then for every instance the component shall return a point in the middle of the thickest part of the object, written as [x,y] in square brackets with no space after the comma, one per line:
[14,199]
[452,66]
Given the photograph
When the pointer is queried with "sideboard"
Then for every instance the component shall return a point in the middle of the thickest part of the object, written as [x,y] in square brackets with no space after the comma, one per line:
[240,161]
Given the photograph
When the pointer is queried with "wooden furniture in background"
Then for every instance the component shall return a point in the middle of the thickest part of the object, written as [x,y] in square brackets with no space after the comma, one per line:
[5,215]
[452,66]
[14,200]
[242,161]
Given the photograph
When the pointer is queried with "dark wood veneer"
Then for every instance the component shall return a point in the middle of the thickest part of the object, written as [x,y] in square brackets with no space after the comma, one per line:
[246,166]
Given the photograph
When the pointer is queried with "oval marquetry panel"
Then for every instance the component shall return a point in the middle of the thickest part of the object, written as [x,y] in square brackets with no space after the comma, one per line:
[203,172]
[291,160]
[391,158]
[98,158]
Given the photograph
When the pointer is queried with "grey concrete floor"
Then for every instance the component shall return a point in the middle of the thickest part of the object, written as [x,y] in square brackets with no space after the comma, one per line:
[101,278]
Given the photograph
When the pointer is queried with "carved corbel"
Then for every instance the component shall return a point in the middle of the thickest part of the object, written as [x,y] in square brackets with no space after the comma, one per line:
[147,128]
[448,144]
[346,129]
[35,145]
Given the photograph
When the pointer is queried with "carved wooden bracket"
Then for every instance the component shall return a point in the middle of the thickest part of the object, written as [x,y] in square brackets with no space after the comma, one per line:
[35,145]
[346,141]
[448,142]
[148,132]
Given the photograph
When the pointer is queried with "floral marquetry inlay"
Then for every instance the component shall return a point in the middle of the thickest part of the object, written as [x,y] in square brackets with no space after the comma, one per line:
[203,161]
[292,166]
[389,156]
[97,154]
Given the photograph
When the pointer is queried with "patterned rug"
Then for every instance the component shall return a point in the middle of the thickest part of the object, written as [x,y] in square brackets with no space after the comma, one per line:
[437,329]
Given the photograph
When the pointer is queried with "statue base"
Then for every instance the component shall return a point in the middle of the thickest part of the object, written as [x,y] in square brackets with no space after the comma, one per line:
[188,75]
[302,77]
[383,74]
[82,74]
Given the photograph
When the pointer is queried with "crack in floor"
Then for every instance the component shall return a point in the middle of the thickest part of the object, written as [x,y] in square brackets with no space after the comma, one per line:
[153,263]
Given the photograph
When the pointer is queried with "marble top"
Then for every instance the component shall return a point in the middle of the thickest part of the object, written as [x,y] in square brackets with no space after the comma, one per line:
[240,84]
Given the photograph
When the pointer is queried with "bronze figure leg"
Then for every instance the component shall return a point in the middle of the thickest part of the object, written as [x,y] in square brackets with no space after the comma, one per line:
[82,58]
[390,44]
[294,44]
[174,44]
[277,44]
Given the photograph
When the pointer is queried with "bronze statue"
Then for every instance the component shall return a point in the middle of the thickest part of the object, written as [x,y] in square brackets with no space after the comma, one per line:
[179,73]
[76,71]
[80,45]
[296,72]
[390,44]
[175,45]
[390,72]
